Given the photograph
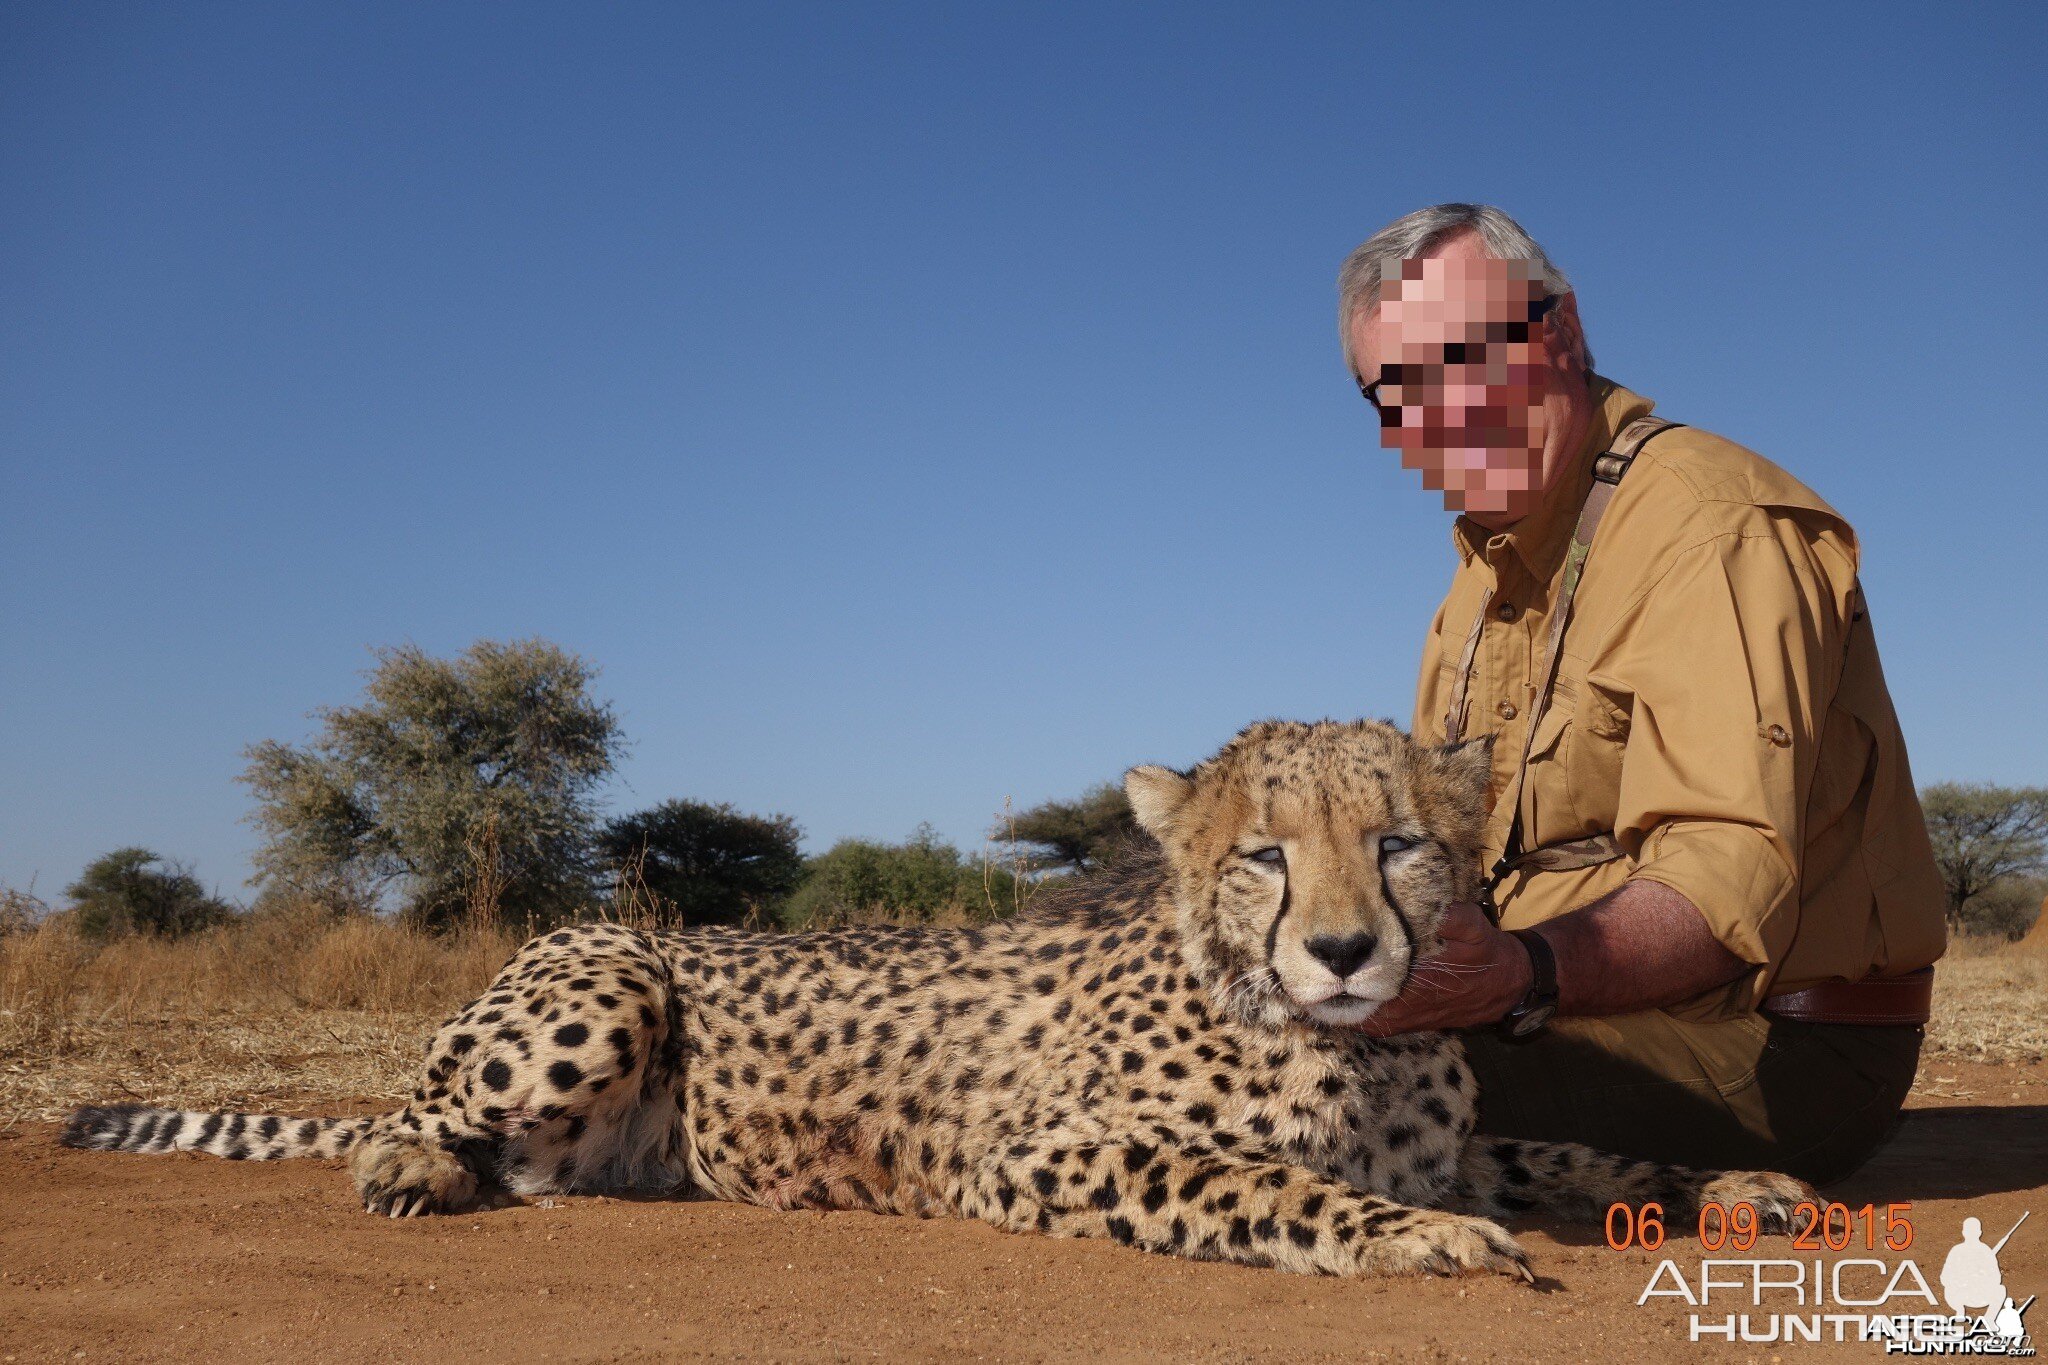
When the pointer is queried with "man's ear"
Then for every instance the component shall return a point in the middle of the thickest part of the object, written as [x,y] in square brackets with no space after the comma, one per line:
[1468,767]
[1565,327]
[1156,795]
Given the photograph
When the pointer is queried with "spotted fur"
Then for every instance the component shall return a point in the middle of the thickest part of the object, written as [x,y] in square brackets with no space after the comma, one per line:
[1159,1055]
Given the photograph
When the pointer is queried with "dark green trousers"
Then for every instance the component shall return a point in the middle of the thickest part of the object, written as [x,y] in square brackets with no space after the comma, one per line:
[1748,1093]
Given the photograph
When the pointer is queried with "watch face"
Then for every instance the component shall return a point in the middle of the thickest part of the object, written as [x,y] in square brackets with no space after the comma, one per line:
[1528,1025]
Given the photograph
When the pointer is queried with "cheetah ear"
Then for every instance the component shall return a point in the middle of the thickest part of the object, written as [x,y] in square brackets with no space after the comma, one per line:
[1468,766]
[1156,795]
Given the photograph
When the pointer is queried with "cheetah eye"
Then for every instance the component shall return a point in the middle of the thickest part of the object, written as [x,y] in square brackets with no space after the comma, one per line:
[1269,857]
[1394,843]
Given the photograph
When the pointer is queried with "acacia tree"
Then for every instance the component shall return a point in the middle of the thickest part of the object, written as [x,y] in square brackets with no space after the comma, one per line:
[1079,835]
[706,864]
[1983,836]
[456,784]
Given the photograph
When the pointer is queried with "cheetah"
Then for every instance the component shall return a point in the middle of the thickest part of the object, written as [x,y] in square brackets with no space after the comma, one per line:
[1163,1054]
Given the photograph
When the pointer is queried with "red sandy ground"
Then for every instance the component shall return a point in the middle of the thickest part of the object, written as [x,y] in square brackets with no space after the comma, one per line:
[156,1258]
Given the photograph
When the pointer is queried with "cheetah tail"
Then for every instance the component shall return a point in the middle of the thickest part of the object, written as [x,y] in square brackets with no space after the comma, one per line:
[238,1137]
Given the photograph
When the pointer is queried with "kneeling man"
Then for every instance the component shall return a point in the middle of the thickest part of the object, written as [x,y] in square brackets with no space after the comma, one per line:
[1713,897]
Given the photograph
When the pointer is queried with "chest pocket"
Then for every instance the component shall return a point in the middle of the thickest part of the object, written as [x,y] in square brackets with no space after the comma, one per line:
[1601,723]
[1549,813]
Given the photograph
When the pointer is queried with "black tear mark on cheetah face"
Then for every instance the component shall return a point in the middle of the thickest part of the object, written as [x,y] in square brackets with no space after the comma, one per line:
[1314,863]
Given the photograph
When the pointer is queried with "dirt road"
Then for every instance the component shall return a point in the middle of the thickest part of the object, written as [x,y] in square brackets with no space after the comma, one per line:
[152,1258]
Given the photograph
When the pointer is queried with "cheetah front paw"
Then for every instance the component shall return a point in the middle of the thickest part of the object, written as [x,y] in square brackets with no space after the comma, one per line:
[1774,1196]
[1436,1243]
[404,1178]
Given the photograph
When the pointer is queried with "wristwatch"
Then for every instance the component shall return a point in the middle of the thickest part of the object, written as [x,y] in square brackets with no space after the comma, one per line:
[1528,1017]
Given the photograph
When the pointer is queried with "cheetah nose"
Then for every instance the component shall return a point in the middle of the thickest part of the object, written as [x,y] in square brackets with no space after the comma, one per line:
[1342,954]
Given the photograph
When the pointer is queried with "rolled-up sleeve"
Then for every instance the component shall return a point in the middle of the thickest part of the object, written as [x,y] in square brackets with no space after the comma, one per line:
[1720,674]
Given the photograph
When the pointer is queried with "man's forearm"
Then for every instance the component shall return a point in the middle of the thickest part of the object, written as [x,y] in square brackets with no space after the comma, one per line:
[1640,947]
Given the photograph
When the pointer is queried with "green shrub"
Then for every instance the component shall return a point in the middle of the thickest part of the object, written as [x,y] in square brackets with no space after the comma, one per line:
[920,881]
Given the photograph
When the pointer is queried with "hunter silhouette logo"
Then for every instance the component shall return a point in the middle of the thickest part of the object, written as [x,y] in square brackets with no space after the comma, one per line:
[1970,1278]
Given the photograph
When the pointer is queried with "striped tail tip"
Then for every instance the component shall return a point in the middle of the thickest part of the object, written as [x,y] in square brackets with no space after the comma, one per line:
[237,1137]
[102,1127]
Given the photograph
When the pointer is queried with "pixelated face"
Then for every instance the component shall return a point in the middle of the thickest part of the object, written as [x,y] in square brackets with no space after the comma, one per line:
[1315,862]
[1466,350]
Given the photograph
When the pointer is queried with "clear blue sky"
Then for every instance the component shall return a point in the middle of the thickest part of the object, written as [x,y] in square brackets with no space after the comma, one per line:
[914,407]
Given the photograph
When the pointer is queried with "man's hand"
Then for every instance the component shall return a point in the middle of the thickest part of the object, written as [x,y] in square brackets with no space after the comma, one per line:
[1641,946]
[1479,974]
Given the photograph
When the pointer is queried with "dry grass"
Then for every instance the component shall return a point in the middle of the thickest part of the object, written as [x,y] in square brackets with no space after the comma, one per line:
[297,1012]
[1991,1002]
[278,1010]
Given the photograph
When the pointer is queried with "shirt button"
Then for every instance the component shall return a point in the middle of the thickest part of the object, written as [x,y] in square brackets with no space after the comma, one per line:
[1507,710]
[1776,734]
[1507,611]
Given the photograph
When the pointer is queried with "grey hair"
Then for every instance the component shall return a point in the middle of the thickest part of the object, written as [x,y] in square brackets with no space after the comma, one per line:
[1358,283]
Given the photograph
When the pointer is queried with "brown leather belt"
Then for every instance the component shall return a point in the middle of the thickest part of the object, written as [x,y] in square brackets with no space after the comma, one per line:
[1873,1000]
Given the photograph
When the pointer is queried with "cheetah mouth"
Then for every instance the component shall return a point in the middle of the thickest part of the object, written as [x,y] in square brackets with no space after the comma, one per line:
[1342,1009]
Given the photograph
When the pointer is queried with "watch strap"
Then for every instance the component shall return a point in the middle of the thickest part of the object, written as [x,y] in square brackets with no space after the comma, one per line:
[1542,968]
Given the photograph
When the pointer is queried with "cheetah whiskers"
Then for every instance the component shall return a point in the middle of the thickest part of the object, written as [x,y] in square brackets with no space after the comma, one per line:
[1441,976]
[1253,989]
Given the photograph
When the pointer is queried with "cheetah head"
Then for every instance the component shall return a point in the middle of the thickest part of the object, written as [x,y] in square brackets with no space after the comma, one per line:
[1312,863]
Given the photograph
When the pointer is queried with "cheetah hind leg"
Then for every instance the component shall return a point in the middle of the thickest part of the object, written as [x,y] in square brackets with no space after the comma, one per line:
[543,1104]
[1501,1177]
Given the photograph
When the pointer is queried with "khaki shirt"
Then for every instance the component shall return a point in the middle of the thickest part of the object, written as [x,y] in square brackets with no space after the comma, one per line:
[1719,708]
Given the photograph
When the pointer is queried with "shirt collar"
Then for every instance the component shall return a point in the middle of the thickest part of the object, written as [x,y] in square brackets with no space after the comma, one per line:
[1540,539]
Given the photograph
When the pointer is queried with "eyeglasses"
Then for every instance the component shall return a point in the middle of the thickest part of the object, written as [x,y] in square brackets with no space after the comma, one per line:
[1455,353]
